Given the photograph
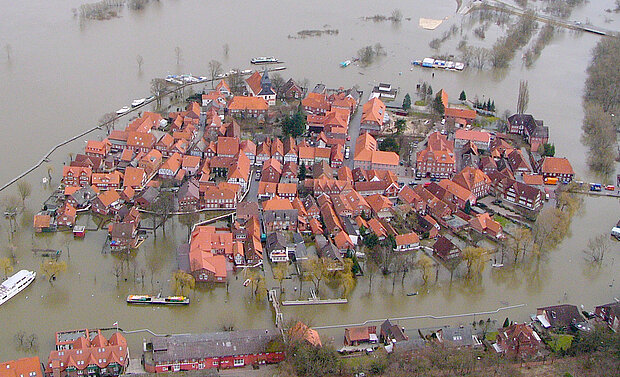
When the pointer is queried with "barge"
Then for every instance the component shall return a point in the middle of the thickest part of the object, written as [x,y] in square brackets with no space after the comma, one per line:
[156,300]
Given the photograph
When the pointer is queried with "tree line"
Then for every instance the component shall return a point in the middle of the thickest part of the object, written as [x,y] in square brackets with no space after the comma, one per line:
[601,104]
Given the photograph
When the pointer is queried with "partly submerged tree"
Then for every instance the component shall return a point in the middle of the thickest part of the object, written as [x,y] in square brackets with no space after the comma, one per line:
[182,281]
[51,268]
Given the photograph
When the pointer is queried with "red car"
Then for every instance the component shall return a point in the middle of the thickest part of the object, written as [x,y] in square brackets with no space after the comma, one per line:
[610,188]
[348,138]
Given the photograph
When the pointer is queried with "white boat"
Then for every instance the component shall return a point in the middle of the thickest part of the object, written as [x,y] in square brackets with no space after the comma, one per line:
[459,66]
[264,60]
[15,284]
[246,71]
[345,63]
[138,102]
[123,110]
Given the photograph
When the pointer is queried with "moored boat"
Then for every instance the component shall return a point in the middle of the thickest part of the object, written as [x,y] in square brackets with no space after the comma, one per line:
[345,63]
[123,110]
[138,102]
[264,60]
[148,299]
[15,284]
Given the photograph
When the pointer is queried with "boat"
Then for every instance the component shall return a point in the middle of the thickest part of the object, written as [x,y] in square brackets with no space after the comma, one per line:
[15,284]
[450,64]
[138,102]
[264,60]
[123,110]
[281,68]
[412,294]
[156,300]
[345,63]
[246,72]
[497,265]
[428,62]
[459,66]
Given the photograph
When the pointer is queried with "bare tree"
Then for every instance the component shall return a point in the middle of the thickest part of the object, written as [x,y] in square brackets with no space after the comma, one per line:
[178,53]
[24,189]
[215,69]
[225,49]
[140,61]
[107,121]
[479,56]
[8,50]
[158,88]
[524,97]
[597,247]
[397,15]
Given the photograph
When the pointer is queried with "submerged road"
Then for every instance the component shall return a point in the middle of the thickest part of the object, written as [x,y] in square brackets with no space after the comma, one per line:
[574,25]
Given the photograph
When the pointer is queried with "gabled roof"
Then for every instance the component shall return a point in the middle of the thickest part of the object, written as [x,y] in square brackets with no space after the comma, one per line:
[373,111]
[460,113]
[227,145]
[277,204]
[133,177]
[556,165]
[254,82]
[473,135]
[407,239]
[108,197]
[248,103]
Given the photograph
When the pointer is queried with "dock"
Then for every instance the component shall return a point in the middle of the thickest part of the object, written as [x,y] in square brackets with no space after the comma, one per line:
[316,301]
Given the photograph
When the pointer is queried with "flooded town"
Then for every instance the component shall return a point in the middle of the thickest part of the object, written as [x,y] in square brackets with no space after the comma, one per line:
[310,189]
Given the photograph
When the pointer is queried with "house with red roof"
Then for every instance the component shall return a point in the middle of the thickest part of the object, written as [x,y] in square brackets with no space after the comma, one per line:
[484,224]
[316,103]
[407,242]
[248,107]
[97,148]
[76,176]
[474,180]
[518,340]
[107,202]
[368,156]
[354,336]
[66,216]
[480,139]
[107,181]
[437,159]
[557,167]
[151,161]
[272,171]
[260,86]
[373,116]
[171,166]
[134,178]
[208,252]
[95,356]
[459,116]
[28,366]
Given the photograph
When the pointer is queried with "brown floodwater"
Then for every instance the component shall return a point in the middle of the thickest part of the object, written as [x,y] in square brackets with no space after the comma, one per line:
[62,76]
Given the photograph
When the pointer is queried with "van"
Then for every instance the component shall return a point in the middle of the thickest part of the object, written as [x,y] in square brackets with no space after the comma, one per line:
[551,181]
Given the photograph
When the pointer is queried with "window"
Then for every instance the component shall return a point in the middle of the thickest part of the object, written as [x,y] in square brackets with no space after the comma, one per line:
[239,362]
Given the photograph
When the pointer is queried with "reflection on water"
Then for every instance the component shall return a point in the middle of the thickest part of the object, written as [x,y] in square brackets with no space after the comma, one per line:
[58,83]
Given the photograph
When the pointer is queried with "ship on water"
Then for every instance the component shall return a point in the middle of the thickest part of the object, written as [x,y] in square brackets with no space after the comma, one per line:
[15,284]
[156,300]
[264,60]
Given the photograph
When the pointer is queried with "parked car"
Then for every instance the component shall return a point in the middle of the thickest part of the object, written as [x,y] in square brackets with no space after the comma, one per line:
[433,179]
[595,187]
[610,188]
